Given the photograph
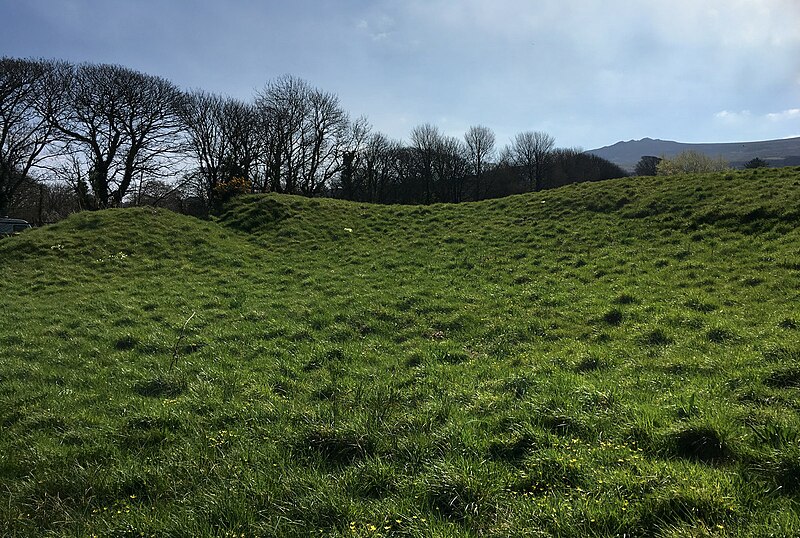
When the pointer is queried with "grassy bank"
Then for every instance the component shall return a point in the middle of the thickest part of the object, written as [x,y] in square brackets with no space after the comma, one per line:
[597,360]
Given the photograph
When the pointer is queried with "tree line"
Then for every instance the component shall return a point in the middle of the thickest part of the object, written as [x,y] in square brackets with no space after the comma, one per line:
[94,136]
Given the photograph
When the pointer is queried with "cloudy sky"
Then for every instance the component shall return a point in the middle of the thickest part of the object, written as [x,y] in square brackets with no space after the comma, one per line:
[589,72]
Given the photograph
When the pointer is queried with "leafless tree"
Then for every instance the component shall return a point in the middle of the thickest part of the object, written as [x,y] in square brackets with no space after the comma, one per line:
[305,134]
[283,108]
[530,151]
[223,140]
[451,169]
[480,148]
[329,129]
[44,202]
[122,124]
[426,140]
[203,119]
[350,181]
[24,131]
[69,170]
[378,164]
[240,130]
[404,172]
[440,166]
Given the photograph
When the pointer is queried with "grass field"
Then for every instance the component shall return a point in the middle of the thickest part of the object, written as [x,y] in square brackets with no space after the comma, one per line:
[610,359]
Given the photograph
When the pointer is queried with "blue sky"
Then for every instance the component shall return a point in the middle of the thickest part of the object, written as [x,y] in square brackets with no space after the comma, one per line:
[588,72]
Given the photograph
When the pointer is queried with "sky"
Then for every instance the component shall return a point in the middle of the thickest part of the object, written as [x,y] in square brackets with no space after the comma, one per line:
[588,72]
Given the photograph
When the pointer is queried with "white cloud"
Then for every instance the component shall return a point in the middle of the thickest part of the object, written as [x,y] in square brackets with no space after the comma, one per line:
[745,125]
[377,28]
[790,114]
[727,115]
[745,115]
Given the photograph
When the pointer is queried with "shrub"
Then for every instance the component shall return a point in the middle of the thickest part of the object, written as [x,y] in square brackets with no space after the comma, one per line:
[756,163]
[227,190]
[690,162]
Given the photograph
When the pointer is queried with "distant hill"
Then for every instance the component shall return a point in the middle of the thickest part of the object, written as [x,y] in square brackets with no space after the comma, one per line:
[785,152]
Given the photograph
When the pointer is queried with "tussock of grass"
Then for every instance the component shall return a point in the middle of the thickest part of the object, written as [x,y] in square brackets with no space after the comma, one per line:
[701,443]
[161,386]
[604,359]
[784,377]
[461,493]
[590,364]
[784,471]
[613,316]
[656,337]
[335,446]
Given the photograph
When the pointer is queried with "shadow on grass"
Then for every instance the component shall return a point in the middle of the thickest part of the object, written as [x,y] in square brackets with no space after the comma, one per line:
[699,443]
[784,378]
[335,446]
[161,387]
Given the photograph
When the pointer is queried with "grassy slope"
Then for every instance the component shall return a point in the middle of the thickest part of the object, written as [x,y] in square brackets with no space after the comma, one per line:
[600,359]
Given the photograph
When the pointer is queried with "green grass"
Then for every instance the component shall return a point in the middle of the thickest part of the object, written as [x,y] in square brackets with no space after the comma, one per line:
[609,359]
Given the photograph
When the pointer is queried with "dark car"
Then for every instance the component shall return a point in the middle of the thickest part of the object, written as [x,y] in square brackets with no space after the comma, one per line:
[12,226]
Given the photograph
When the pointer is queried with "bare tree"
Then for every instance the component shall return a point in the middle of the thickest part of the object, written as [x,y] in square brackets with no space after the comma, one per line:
[451,169]
[378,167]
[304,136]
[328,124]
[480,148]
[24,131]
[403,169]
[202,115]
[531,150]
[69,170]
[283,108]
[119,121]
[350,184]
[224,140]
[243,142]
[152,127]
[426,140]
[42,202]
